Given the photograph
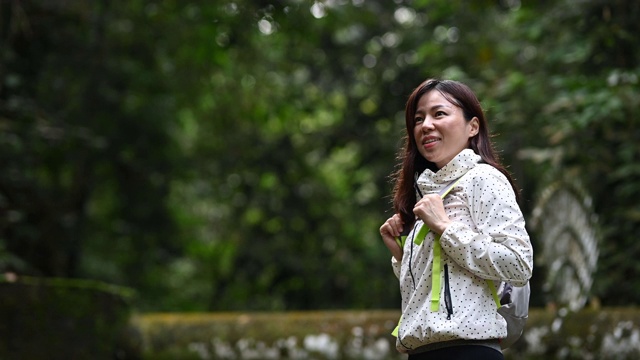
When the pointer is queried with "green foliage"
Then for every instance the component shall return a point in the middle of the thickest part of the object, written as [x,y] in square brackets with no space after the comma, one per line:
[86,144]
[235,154]
[68,318]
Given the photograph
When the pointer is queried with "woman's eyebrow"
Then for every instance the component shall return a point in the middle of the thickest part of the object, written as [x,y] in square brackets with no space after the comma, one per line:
[420,111]
[439,106]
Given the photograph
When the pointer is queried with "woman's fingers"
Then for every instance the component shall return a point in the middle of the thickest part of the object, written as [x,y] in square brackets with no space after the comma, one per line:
[392,227]
[398,224]
[390,230]
[430,209]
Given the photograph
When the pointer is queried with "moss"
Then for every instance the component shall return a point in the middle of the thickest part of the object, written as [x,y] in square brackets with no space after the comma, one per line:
[610,333]
[589,334]
[318,335]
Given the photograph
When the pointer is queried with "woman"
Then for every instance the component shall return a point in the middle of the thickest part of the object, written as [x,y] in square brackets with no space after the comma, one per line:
[476,233]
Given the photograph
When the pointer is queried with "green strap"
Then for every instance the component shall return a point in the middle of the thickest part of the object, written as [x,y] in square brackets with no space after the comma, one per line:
[435,276]
[494,293]
[449,187]
[395,331]
[437,259]
[424,230]
[401,240]
[436,269]
[422,234]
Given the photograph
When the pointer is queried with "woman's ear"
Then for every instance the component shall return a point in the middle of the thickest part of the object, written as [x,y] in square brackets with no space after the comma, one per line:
[474,127]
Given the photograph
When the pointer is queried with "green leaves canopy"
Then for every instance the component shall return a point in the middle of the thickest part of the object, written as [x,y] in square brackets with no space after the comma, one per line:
[236,155]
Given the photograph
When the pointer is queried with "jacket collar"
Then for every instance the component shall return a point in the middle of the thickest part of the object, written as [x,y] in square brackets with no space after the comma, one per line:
[429,181]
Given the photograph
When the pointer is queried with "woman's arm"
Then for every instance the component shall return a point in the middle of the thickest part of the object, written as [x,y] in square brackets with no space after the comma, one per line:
[493,242]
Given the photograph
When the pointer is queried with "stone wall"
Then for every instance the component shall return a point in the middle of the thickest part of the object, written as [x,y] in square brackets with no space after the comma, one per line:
[589,334]
[73,319]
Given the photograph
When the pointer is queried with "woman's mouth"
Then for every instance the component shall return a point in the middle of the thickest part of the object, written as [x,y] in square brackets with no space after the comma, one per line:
[429,142]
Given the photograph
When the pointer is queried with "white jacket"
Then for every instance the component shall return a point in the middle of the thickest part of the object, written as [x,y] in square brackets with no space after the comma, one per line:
[487,240]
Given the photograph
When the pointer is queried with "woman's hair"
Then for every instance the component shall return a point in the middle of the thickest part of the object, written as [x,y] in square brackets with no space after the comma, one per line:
[410,162]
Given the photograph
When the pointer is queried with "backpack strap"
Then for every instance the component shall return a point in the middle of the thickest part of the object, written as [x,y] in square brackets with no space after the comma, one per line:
[494,293]
[435,275]
[436,268]
[424,230]
[437,258]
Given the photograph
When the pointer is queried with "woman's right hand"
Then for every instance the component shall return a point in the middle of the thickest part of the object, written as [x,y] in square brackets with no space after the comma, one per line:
[390,230]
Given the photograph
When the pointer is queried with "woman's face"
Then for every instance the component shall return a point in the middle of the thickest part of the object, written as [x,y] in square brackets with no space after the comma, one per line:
[440,129]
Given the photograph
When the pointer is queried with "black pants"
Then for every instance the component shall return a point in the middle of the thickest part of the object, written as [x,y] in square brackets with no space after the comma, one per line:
[464,352]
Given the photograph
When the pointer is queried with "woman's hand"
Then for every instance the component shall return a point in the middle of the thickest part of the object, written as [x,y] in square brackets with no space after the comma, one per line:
[390,230]
[431,210]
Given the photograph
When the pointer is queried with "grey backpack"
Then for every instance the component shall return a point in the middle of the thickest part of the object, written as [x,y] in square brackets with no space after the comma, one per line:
[513,305]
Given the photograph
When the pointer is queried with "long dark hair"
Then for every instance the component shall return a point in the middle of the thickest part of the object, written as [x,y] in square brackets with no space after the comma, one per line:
[411,162]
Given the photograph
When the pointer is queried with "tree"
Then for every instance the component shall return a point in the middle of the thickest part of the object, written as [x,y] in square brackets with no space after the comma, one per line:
[87,154]
[235,155]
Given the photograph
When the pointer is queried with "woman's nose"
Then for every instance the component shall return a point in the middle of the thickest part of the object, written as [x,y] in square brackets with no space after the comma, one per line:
[427,123]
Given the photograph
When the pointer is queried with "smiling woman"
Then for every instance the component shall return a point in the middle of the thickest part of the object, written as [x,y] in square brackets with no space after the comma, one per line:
[454,243]
[413,162]
[440,128]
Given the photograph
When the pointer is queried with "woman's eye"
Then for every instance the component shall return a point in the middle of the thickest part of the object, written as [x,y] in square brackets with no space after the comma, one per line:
[418,120]
[440,113]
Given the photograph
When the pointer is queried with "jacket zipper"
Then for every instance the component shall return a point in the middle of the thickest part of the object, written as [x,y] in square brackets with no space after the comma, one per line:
[447,293]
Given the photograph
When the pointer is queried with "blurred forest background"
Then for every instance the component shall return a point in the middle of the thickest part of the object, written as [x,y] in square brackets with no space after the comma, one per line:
[234,155]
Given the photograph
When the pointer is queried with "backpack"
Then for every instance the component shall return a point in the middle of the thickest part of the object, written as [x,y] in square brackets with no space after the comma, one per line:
[513,305]
[512,301]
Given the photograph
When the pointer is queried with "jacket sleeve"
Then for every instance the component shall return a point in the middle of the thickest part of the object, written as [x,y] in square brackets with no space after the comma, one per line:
[395,264]
[492,242]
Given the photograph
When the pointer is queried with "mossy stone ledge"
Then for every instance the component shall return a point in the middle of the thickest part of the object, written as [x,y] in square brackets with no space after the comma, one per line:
[609,333]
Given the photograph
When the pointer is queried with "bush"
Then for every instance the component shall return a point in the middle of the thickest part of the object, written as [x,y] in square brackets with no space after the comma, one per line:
[65,319]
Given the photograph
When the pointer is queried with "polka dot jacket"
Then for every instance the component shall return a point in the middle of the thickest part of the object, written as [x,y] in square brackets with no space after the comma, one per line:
[486,240]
